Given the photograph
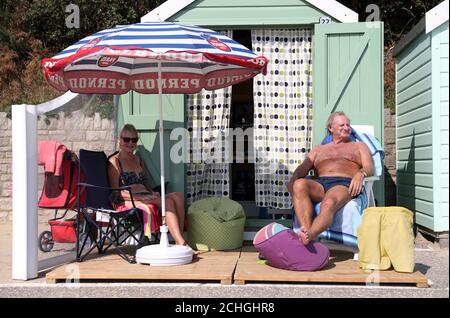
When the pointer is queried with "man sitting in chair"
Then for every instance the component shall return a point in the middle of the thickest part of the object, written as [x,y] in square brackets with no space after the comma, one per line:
[339,168]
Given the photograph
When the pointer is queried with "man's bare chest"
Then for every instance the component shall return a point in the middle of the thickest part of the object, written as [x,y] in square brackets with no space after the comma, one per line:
[348,151]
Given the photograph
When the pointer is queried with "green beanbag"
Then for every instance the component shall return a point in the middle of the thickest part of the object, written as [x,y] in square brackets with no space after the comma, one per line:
[215,224]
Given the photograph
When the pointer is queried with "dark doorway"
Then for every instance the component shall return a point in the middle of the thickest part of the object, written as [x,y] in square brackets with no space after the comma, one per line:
[242,109]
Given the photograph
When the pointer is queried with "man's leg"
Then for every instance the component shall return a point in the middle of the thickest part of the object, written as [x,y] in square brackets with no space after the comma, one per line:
[305,193]
[334,199]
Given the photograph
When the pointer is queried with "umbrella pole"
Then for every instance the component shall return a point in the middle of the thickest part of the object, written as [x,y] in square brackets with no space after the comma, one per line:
[164,241]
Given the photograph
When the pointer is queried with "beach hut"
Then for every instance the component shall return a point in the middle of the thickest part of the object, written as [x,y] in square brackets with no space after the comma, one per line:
[321,60]
[422,120]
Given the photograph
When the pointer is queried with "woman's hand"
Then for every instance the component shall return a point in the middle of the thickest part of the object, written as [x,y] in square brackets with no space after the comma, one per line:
[356,184]
[125,195]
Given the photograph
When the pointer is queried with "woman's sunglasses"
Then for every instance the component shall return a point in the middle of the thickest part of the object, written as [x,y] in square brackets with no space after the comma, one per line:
[128,139]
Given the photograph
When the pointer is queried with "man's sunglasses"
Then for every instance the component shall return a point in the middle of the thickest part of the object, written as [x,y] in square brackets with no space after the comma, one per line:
[128,139]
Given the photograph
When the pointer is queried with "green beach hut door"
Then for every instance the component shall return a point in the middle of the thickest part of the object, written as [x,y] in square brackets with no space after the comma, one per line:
[142,111]
[348,76]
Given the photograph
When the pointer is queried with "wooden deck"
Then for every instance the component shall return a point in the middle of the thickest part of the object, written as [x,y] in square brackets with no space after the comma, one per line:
[209,266]
[227,266]
[341,269]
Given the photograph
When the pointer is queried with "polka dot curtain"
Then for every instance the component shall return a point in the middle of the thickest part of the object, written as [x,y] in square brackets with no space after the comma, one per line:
[208,117]
[283,104]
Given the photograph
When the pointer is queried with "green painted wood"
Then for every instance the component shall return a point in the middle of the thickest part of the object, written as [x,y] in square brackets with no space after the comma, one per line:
[445,108]
[419,87]
[443,226]
[422,43]
[424,220]
[443,123]
[445,166]
[421,59]
[348,76]
[410,177]
[443,150]
[444,180]
[418,141]
[444,142]
[248,3]
[419,73]
[415,129]
[423,166]
[143,111]
[444,190]
[440,56]
[444,62]
[233,13]
[342,51]
[416,204]
[444,155]
[415,115]
[420,127]
[422,153]
[417,101]
[423,193]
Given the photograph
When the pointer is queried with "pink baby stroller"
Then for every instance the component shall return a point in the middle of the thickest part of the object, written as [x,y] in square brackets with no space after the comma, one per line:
[59,192]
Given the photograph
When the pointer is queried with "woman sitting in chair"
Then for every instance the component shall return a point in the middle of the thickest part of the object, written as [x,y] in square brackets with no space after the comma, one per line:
[127,169]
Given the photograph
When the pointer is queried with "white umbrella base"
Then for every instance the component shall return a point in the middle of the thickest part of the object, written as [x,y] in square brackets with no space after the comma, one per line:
[160,255]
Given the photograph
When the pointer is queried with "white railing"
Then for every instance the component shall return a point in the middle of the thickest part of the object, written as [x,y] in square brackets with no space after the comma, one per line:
[25,263]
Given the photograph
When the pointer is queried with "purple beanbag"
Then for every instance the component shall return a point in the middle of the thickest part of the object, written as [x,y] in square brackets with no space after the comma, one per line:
[283,249]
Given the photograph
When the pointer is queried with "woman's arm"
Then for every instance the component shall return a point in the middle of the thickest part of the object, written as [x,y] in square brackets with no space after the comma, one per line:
[113,172]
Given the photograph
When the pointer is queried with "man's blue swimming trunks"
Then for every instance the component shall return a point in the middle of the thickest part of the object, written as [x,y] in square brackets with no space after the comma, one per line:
[329,182]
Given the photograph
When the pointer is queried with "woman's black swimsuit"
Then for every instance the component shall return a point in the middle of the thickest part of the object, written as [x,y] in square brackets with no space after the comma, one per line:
[127,178]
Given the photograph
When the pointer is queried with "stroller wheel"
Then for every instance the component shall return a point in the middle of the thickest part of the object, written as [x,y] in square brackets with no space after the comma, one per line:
[45,241]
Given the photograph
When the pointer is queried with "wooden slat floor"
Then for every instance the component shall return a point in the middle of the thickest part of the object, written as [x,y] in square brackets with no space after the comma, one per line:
[208,266]
[341,269]
[226,267]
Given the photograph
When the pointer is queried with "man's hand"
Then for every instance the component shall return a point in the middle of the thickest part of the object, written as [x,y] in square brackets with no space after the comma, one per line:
[356,185]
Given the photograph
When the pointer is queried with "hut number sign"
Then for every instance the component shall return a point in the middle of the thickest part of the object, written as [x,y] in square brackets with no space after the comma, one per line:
[324,20]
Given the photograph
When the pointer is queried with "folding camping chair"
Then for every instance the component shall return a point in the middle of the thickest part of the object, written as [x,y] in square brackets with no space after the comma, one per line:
[120,226]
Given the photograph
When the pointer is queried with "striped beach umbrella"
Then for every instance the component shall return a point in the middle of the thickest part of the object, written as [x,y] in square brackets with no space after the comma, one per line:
[153,58]
[130,57]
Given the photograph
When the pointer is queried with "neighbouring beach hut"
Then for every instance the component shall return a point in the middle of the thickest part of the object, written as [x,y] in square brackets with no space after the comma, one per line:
[320,60]
[422,120]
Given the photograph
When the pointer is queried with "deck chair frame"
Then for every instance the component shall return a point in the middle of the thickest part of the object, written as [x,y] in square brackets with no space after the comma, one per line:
[120,226]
